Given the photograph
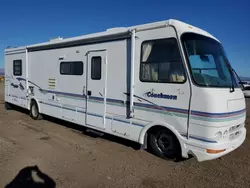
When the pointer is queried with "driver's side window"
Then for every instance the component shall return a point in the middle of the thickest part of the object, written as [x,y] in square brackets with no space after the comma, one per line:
[161,62]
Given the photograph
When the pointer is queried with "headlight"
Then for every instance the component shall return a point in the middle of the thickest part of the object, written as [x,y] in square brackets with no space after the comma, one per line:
[218,135]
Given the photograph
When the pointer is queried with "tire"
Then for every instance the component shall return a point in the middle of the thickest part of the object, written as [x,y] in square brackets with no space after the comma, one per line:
[8,106]
[34,111]
[163,143]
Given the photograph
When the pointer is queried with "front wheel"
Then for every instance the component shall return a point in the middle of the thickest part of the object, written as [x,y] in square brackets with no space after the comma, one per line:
[34,112]
[164,144]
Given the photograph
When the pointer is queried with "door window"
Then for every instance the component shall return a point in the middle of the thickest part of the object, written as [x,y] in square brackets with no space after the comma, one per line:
[96,68]
[17,67]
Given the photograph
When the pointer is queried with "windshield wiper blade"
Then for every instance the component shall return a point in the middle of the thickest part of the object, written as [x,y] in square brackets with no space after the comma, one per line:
[240,81]
[232,76]
[232,80]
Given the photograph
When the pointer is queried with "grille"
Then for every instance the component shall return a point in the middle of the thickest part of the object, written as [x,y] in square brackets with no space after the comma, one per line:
[235,128]
[235,131]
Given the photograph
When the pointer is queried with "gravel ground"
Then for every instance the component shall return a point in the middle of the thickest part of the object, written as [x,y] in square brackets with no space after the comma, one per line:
[67,156]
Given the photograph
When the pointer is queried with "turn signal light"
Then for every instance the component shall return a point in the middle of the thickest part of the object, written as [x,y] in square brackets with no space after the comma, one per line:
[213,151]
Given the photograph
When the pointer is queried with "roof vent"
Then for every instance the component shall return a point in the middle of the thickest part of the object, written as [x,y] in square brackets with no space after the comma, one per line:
[56,39]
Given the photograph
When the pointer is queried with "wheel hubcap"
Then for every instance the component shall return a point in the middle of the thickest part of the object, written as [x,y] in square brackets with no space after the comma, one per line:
[34,111]
[165,143]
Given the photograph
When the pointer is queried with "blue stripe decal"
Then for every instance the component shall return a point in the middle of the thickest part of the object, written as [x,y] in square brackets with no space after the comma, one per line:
[183,111]
[63,93]
[117,101]
[136,124]
[199,138]
[23,79]
[91,114]
[161,107]
[66,108]
[171,109]
[20,79]
[96,98]
[202,139]
[122,121]
[50,104]
[96,115]
[83,112]
[217,114]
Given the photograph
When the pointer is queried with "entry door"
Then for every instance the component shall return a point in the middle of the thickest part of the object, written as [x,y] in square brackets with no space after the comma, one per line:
[96,89]
[17,87]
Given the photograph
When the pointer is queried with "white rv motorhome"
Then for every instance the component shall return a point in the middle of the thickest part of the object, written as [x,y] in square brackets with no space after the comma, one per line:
[166,85]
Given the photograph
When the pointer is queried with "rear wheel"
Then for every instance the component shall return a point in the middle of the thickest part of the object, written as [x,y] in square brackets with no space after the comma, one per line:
[164,144]
[34,111]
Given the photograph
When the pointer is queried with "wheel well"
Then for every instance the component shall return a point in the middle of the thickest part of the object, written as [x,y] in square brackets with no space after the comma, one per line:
[38,115]
[155,129]
[32,101]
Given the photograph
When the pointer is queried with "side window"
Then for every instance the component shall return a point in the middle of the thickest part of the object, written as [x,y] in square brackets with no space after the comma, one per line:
[17,67]
[96,68]
[161,62]
[71,68]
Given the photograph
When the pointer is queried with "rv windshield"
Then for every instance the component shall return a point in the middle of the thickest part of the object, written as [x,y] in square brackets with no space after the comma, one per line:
[207,61]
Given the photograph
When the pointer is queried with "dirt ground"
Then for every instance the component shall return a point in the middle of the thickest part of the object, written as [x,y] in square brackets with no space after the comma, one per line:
[67,156]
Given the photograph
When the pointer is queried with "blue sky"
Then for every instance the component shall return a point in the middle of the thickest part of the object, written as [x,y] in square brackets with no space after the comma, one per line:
[27,22]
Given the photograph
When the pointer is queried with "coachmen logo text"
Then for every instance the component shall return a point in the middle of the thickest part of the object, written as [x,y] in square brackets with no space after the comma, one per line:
[160,95]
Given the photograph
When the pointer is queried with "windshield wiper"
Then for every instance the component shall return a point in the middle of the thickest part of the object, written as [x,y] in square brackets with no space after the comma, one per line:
[232,76]
[240,82]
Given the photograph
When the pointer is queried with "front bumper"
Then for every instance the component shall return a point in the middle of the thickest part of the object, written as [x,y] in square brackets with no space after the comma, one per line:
[198,149]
